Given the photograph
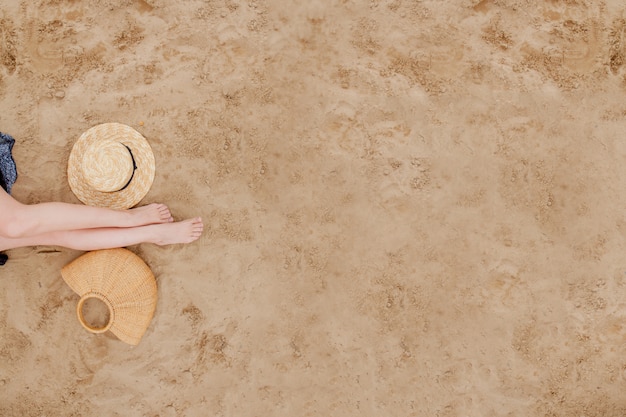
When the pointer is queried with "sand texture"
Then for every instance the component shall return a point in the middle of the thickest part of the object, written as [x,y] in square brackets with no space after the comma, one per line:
[411,208]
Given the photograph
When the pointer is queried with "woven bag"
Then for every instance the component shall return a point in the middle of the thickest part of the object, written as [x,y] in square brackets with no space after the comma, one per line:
[123,282]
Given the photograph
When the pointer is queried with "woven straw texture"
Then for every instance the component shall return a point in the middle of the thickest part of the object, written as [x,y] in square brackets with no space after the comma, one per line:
[100,166]
[107,166]
[123,281]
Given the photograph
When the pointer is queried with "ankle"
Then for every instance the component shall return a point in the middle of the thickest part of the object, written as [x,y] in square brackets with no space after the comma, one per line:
[129,219]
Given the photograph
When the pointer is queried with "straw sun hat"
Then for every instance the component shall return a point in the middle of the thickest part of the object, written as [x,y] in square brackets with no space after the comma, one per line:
[122,282]
[111,165]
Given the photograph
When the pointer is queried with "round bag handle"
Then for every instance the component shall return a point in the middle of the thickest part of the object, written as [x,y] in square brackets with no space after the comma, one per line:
[81,318]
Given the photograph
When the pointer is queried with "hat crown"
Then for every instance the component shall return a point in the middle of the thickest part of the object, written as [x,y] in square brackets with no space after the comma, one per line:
[108,166]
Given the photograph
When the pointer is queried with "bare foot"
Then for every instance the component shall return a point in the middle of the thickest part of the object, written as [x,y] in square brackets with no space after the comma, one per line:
[185,231]
[151,214]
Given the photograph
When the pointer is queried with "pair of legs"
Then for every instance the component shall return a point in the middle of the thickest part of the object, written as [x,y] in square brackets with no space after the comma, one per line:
[87,228]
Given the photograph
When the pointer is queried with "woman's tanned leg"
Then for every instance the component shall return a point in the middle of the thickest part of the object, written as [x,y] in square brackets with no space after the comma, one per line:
[185,231]
[22,220]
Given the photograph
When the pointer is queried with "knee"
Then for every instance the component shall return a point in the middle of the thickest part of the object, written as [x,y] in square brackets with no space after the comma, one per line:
[11,229]
[14,226]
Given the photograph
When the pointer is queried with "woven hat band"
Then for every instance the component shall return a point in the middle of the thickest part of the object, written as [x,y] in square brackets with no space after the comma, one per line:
[108,166]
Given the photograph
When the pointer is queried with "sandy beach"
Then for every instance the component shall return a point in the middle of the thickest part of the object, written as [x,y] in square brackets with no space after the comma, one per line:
[411,208]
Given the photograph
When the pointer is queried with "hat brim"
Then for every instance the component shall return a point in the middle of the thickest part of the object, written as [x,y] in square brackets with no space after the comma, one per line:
[141,181]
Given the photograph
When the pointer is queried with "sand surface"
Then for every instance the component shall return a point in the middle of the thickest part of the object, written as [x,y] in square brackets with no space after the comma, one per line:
[412,208]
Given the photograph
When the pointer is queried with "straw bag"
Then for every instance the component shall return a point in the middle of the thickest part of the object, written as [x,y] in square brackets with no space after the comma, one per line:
[123,282]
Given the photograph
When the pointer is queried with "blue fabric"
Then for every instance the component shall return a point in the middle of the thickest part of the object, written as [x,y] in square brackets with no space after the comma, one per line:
[8,170]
